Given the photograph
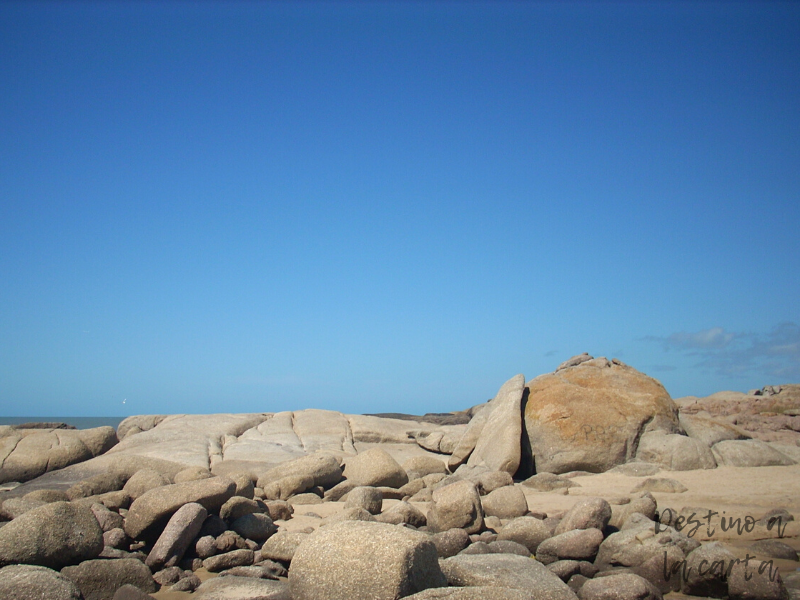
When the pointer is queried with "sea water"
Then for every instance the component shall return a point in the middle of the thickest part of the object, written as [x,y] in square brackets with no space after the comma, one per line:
[79,422]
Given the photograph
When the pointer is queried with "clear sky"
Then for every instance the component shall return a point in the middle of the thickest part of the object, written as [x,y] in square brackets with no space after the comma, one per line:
[374,207]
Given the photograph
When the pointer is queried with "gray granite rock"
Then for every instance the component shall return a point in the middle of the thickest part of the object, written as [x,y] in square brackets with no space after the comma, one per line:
[357,560]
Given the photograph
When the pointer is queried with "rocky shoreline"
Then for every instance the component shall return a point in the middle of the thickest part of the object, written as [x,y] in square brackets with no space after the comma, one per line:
[587,483]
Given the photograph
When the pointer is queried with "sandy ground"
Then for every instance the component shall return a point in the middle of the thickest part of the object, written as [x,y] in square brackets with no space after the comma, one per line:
[732,492]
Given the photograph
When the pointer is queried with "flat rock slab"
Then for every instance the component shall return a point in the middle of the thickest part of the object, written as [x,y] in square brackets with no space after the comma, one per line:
[192,440]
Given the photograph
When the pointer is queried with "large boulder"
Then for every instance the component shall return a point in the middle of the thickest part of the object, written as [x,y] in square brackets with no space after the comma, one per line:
[151,511]
[29,582]
[363,560]
[375,468]
[53,535]
[498,446]
[468,440]
[589,417]
[456,505]
[505,570]
[99,579]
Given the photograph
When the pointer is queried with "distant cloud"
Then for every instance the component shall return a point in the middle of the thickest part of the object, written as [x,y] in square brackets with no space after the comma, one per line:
[551,353]
[775,353]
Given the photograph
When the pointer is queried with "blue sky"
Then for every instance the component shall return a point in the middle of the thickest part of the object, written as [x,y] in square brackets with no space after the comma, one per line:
[374,207]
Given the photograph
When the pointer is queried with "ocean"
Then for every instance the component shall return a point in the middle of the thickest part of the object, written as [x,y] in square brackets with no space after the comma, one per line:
[79,422]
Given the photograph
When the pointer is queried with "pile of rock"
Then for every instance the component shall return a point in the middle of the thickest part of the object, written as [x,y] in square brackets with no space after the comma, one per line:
[422,509]
[473,537]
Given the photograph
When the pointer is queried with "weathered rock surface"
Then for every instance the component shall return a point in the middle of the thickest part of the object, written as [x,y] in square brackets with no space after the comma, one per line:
[705,573]
[419,466]
[624,586]
[282,545]
[28,453]
[99,579]
[358,560]
[181,529]
[505,570]
[375,468]
[586,514]
[506,503]
[675,452]
[589,417]
[499,445]
[753,580]
[632,547]
[708,430]
[403,512]
[29,582]
[368,498]
[456,505]
[254,526]
[577,544]
[324,469]
[151,511]
[53,535]
[192,440]
[477,592]
[242,588]
[748,453]
[528,531]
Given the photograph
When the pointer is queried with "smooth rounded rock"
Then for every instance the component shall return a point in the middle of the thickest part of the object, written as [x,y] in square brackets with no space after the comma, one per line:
[53,535]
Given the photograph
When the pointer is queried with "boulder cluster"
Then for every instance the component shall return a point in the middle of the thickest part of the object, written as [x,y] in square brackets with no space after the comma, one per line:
[209,505]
